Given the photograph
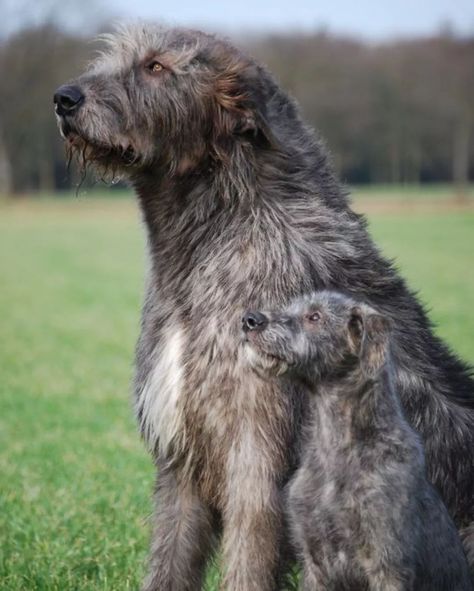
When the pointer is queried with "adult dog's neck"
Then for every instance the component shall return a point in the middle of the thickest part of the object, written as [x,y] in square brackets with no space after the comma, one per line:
[284,160]
[229,179]
[245,177]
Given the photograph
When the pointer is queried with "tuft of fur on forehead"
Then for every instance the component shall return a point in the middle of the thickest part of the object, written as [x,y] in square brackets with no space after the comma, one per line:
[331,300]
[131,43]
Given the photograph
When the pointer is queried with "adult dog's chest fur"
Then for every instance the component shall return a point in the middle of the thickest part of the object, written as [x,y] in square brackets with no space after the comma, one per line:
[197,398]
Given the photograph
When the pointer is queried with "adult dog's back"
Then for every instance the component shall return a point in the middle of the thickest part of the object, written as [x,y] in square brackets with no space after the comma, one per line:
[242,210]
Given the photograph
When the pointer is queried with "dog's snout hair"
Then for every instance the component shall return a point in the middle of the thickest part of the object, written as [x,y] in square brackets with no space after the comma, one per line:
[243,212]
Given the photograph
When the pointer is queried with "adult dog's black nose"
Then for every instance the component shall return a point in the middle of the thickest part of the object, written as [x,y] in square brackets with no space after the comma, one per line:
[67,99]
[254,321]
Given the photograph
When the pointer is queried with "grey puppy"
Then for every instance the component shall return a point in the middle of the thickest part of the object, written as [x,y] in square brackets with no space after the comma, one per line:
[242,209]
[362,511]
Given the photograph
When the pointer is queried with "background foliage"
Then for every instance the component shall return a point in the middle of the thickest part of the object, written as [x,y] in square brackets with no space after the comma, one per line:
[399,111]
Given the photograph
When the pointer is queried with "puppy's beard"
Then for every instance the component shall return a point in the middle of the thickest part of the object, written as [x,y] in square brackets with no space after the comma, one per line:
[264,363]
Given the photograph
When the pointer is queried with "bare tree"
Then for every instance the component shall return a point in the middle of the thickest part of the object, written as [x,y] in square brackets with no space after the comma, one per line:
[32,64]
[5,168]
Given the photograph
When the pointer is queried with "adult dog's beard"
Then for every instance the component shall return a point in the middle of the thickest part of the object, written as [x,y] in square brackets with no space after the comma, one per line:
[109,162]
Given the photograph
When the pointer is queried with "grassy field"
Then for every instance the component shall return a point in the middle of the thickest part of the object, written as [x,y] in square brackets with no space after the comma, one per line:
[75,480]
[407,194]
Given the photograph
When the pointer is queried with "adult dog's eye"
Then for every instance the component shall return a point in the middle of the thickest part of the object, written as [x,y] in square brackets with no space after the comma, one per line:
[154,67]
[314,317]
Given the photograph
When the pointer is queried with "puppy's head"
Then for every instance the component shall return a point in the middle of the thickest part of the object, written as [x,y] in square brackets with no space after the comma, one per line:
[323,334]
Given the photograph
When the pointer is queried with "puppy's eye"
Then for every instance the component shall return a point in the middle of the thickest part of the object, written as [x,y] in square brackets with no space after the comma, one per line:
[314,317]
[154,67]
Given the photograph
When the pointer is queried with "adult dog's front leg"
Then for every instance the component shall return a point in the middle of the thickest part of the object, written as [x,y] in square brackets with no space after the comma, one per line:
[251,540]
[182,539]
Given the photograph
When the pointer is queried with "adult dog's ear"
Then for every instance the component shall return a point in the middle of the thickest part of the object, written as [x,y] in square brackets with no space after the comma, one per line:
[240,105]
[369,334]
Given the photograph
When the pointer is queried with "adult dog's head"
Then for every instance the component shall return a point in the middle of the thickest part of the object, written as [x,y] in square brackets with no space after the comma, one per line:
[175,97]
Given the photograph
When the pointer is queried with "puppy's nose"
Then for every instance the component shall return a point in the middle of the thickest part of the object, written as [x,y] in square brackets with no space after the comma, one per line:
[255,321]
[67,99]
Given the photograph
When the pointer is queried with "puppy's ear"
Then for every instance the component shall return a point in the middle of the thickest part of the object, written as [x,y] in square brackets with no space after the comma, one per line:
[369,334]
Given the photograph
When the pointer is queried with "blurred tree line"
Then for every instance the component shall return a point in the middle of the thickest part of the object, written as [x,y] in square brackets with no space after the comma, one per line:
[401,111]
[397,112]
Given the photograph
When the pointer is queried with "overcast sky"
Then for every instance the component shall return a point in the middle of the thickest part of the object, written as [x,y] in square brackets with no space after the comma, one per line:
[375,19]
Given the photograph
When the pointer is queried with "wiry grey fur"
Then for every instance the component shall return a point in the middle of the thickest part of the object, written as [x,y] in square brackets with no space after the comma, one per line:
[363,513]
[242,209]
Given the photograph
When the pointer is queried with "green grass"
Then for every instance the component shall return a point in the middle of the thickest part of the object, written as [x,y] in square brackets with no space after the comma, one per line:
[411,192]
[75,481]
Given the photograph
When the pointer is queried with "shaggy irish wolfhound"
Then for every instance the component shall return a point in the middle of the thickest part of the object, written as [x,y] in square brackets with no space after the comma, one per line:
[363,513]
[242,210]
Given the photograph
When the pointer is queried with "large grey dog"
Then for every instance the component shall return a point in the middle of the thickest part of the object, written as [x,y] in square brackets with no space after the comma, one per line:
[362,512]
[242,210]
